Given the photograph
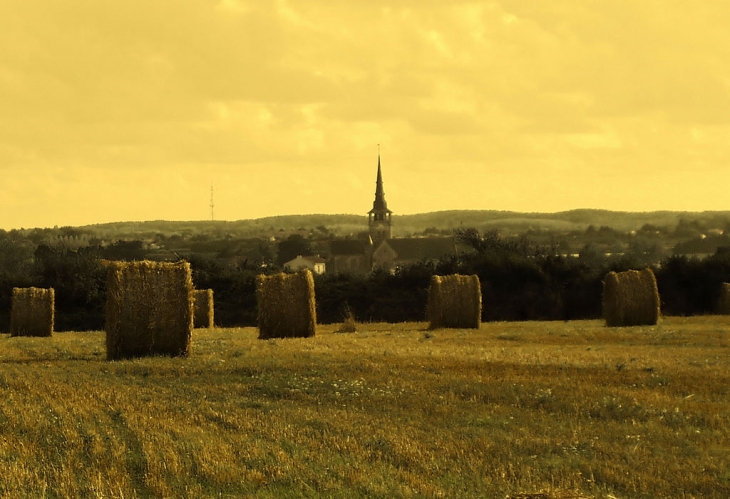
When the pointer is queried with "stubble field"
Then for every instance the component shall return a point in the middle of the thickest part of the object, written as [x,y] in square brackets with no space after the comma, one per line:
[548,409]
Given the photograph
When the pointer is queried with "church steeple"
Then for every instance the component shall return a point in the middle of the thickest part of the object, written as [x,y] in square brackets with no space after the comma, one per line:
[379,204]
[379,218]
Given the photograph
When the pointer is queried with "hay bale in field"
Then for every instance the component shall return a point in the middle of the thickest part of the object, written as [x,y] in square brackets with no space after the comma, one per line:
[286,305]
[149,309]
[631,298]
[32,312]
[203,299]
[455,301]
[723,303]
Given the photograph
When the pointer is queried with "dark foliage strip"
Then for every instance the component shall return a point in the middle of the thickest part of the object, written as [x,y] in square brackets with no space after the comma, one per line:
[519,282]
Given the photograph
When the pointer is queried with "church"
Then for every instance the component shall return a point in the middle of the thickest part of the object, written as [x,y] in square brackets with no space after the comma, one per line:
[380,250]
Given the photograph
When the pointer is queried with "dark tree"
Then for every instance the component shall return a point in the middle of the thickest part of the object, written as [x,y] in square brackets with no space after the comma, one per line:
[124,250]
[79,280]
[291,247]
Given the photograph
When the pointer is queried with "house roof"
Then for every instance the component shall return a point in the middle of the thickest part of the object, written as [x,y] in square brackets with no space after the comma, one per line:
[315,259]
[309,258]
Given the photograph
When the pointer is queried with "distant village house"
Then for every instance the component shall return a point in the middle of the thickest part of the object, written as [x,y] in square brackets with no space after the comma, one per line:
[314,263]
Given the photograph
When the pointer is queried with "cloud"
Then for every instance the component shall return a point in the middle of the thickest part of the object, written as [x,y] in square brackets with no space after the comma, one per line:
[636,59]
[506,87]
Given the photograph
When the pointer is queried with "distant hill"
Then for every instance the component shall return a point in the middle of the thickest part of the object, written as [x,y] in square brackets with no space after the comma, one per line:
[510,221]
[507,222]
[339,224]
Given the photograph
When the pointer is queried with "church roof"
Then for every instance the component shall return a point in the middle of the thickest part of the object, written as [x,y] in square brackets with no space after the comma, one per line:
[349,246]
[422,248]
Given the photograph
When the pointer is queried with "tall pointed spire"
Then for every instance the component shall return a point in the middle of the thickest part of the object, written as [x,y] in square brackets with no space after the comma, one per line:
[380,215]
[379,204]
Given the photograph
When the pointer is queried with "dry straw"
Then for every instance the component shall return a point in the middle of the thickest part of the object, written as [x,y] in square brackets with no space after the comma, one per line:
[149,309]
[349,325]
[631,298]
[286,305]
[455,301]
[32,312]
[203,299]
[723,306]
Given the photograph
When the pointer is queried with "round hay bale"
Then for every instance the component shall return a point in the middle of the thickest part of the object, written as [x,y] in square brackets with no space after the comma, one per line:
[286,305]
[454,301]
[631,298]
[149,309]
[32,312]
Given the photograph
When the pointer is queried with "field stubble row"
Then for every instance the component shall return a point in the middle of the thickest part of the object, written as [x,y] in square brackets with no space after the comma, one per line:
[566,409]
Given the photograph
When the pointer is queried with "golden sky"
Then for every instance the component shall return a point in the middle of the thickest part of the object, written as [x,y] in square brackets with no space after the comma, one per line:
[131,109]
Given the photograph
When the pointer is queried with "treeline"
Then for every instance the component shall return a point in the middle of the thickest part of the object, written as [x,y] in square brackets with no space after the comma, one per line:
[520,281]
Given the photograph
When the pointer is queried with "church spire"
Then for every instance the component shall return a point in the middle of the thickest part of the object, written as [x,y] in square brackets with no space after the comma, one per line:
[380,216]
[380,204]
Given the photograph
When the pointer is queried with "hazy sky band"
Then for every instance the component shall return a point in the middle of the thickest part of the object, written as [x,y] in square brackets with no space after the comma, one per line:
[130,110]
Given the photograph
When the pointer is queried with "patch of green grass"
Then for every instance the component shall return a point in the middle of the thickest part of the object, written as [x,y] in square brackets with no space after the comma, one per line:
[564,409]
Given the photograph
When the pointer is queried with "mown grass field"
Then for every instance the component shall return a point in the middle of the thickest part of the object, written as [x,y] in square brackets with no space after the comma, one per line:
[568,410]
